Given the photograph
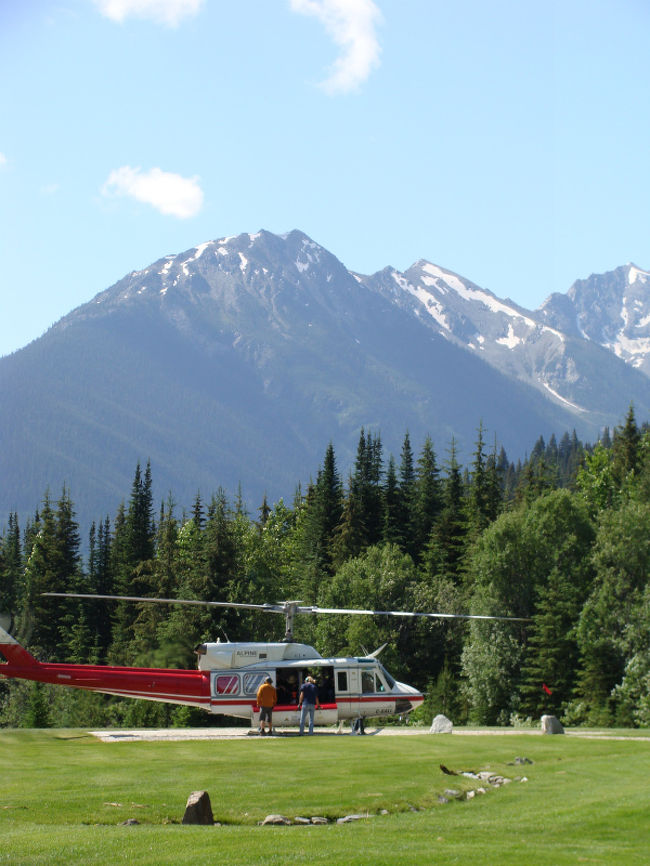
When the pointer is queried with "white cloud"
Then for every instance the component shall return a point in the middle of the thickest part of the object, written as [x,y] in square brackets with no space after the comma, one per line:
[167,192]
[169,12]
[3,160]
[352,25]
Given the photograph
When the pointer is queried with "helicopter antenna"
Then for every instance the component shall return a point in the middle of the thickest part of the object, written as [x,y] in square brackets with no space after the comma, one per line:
[223,632]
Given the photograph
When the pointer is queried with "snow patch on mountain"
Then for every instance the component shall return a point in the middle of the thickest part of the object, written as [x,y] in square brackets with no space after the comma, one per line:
[441,279]
[433,307]
[561,398]
[511,341]
[635,274]
[627,347]
[198,252]
[309,255]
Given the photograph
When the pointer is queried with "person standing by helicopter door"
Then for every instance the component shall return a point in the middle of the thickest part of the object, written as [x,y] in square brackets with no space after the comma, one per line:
[267,698]
[308,703]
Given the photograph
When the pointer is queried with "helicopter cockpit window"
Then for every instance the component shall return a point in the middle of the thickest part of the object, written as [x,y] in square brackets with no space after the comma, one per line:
[390,680]
[252,682]
[227,684]
[379,682]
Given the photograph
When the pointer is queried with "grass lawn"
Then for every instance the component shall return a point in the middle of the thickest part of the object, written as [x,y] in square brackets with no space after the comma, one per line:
[64,795]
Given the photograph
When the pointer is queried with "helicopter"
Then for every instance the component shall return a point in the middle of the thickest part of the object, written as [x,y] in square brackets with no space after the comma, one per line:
[228,674]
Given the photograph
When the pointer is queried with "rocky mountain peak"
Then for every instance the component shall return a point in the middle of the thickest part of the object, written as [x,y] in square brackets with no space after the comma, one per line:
[610,309]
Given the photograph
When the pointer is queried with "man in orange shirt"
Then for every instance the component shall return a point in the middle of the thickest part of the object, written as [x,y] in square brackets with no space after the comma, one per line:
[267,698]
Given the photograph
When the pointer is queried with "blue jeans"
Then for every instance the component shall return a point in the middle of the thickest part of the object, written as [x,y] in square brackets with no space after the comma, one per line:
[305,710]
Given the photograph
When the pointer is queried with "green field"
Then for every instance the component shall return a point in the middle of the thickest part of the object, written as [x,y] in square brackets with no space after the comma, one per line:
[64,795]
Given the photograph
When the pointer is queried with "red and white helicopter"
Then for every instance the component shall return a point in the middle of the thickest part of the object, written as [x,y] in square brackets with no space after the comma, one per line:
[229,674]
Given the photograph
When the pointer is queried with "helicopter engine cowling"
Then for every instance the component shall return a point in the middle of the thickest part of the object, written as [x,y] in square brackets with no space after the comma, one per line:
[226,656]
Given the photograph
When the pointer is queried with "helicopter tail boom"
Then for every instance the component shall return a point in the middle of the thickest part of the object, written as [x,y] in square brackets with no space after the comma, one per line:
[153,684]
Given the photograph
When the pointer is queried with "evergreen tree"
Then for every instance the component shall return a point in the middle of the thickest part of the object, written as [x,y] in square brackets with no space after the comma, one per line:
[140,525]
[361,523]
[484,490]
[428,497]
[407,497]
[392,533]
[625,448]
[446,545]
[10,567]
[43,574]
[264,510]
[322,514]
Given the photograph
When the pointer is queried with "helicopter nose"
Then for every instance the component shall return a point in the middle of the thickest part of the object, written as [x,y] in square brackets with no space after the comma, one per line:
[409,698]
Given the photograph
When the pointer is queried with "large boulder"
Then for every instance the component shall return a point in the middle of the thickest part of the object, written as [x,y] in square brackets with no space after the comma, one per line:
[441,725]
[551,725]
[198,809]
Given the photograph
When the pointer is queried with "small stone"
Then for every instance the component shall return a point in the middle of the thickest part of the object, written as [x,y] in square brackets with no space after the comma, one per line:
[453,794]
[470,795]
[299,820]
[348,818]
[442,800]
[277,819]
[130,822]
[318,819]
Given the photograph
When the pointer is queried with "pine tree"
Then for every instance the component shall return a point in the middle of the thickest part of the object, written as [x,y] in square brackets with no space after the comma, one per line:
[264,510]
[407,497]
[53,565]
[392,532]
[10,567]
[446,545]
[361,523]
[428,497]
[139,519]
[551,661]
[625,448]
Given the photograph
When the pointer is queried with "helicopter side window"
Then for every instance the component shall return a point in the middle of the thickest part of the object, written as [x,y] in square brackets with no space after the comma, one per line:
[252,682]
[341,681]
[367,681]
[227,684]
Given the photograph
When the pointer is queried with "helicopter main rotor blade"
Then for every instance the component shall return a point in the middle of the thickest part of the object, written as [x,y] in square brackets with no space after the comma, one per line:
[408,613]
[272,608]
[288,607]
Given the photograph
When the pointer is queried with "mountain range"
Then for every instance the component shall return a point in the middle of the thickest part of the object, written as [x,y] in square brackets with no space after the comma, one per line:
[235,363]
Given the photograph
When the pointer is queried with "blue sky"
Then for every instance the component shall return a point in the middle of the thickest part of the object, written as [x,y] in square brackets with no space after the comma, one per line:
[506,141]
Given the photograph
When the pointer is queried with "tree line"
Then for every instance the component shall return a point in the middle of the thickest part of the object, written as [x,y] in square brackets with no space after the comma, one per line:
[561,539]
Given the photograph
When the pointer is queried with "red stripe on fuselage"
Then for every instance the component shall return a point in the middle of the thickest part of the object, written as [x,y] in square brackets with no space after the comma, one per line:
[157,683]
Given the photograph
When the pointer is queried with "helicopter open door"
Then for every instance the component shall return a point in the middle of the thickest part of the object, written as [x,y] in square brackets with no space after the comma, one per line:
[287,682]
